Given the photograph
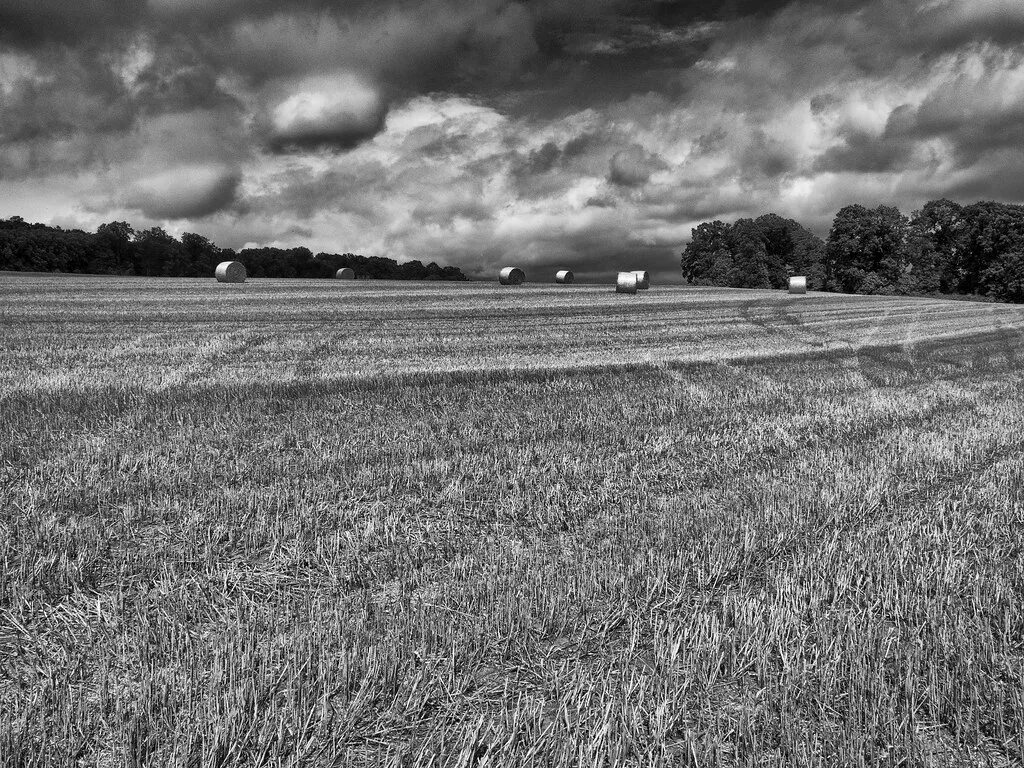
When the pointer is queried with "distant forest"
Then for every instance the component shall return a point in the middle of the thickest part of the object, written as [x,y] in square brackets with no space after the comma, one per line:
[117,249]
[945,248]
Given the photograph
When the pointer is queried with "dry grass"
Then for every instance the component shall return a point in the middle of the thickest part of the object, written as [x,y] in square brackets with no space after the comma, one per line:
[717,528]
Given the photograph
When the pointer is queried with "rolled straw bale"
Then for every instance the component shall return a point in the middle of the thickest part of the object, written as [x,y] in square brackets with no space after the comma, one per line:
[626,282]
[230,272]
[345,273]
[564,276]
[798,284]
[643,279]
[511,276]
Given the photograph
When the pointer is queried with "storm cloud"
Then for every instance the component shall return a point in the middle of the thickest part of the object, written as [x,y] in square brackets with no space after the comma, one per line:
[183,193]
[578,133]
[634,166]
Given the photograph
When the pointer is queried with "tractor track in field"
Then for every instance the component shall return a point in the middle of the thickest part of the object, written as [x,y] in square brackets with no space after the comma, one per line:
[1011,337]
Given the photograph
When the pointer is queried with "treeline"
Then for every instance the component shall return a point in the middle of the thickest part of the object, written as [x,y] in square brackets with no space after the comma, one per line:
[300,262]
[117,249]
[945,248]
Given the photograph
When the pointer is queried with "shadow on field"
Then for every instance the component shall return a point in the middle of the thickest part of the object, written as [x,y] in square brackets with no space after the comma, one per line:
[876,364]
[777,318]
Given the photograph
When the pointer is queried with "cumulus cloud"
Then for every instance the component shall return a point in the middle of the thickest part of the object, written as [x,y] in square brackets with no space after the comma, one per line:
[337,112]
[409,194]
[634,166]
[978,108]
[187,192]
[580,133]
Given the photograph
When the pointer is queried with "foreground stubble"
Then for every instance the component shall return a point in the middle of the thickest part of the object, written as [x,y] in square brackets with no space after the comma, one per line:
[802,560]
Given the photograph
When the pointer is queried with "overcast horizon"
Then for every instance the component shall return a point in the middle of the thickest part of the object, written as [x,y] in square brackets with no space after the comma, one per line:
[543,133]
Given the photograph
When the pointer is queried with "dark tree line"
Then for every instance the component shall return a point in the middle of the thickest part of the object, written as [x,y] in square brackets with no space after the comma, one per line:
[945,248]
[752,253]
[118,249]
[300,262]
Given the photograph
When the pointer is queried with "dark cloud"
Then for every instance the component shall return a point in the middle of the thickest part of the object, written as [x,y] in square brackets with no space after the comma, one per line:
[212,12]
[190,192]
[634,166]
[303,195]
[823,102]
[710,142]
[551,156]
[1000,176]
[766,156]
[947,26]
[865,153]
[976,114]
[179,79]
[66,94]
[538,161]
[707,200]
[29,24]
[409,47]
[450,205]
[579,132]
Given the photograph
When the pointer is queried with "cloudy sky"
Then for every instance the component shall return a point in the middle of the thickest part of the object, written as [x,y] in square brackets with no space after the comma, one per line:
[579,133]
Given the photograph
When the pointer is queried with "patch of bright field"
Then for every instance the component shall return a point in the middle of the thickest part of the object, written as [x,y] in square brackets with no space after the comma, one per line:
[312,523]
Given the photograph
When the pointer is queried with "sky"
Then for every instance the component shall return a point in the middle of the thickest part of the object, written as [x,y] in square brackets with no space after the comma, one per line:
[583,134]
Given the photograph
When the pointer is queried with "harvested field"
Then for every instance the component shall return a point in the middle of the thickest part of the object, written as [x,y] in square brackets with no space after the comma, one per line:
[421,524]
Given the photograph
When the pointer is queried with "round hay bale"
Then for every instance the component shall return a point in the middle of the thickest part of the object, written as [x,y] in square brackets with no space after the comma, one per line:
[345,273]
[230,272]
[564,276]
[511,276]
[626,283]
[643,279]
[798,284]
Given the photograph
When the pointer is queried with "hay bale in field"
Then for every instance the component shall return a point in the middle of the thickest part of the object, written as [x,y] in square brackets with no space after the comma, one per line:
[798,284]
[564,276]
[511,276]
[230,272]
[643,279]
[345,273]
[626,283]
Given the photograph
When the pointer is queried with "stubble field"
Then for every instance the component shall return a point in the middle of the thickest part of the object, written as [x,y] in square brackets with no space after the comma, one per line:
[312,523]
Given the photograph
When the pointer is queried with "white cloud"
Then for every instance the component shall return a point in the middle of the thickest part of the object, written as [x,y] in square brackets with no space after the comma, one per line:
[337,111]
[798,112]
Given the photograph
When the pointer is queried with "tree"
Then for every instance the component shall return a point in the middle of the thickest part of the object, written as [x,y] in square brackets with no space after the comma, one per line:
[116,248]
[158,253]
[866,251]
[991,230]
[792,250]
[758,253]
[945,247]
[202,256]
[940,248]
[1004,279]
[750,266]
[707,255]
[120,231]
[114,253]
